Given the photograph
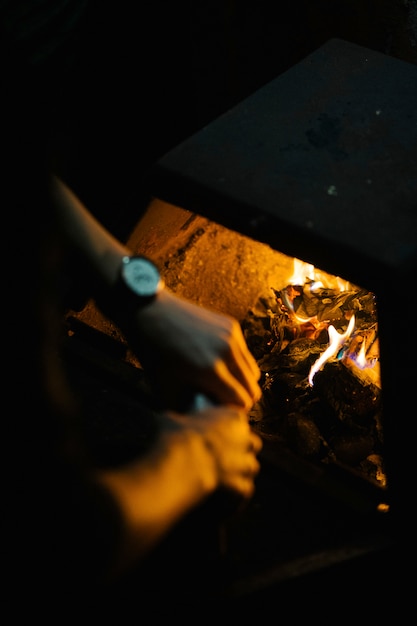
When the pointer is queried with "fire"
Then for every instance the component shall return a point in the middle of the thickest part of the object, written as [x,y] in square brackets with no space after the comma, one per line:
[302,271]
[318,301]
[306,272]
[336,341]
[361,359]
[318,328]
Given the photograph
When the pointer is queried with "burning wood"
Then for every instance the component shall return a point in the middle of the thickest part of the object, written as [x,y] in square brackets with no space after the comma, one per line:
[317,347]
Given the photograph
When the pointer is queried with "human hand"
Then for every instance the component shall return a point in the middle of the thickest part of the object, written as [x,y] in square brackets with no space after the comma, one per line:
[184,346]
[230,447]
[208,452]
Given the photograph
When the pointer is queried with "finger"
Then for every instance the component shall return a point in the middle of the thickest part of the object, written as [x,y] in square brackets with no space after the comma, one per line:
[244,368]
[246,380]
[255,444]
[229,388]
[252,468]
[244,486]
[240,382]
[238,345]
[247,355]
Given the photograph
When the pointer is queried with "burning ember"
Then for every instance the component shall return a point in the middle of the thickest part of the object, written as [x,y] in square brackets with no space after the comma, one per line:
[316,343]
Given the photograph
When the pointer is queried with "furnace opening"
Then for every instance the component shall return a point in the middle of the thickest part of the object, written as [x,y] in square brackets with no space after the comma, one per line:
[313,334]
[316,343]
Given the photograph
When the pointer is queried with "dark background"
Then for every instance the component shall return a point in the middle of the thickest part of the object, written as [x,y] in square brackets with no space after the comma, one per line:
[147,76]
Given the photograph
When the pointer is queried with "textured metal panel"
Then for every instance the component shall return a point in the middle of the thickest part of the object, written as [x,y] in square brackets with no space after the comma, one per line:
[320,163]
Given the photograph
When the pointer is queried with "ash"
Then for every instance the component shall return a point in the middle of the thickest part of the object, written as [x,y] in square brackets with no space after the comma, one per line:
[337,419]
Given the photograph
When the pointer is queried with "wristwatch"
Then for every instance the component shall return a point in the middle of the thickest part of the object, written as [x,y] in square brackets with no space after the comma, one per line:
[138,283]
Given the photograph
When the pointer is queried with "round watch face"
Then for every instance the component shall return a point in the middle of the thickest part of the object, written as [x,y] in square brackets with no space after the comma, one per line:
[141,276]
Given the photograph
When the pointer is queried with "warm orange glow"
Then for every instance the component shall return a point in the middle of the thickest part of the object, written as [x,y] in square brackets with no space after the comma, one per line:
[306,272]
[302,271]
[361,358]
[336,341]
[358,347]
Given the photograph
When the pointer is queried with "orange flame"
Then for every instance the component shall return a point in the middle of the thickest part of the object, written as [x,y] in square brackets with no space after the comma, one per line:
[336,341]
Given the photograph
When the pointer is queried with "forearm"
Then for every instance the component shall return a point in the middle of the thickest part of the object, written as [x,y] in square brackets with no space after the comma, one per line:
[207,349]
[93,243]
[153,494]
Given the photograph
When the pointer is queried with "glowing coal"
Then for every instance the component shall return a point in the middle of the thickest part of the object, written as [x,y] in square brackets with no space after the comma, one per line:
[317,348]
